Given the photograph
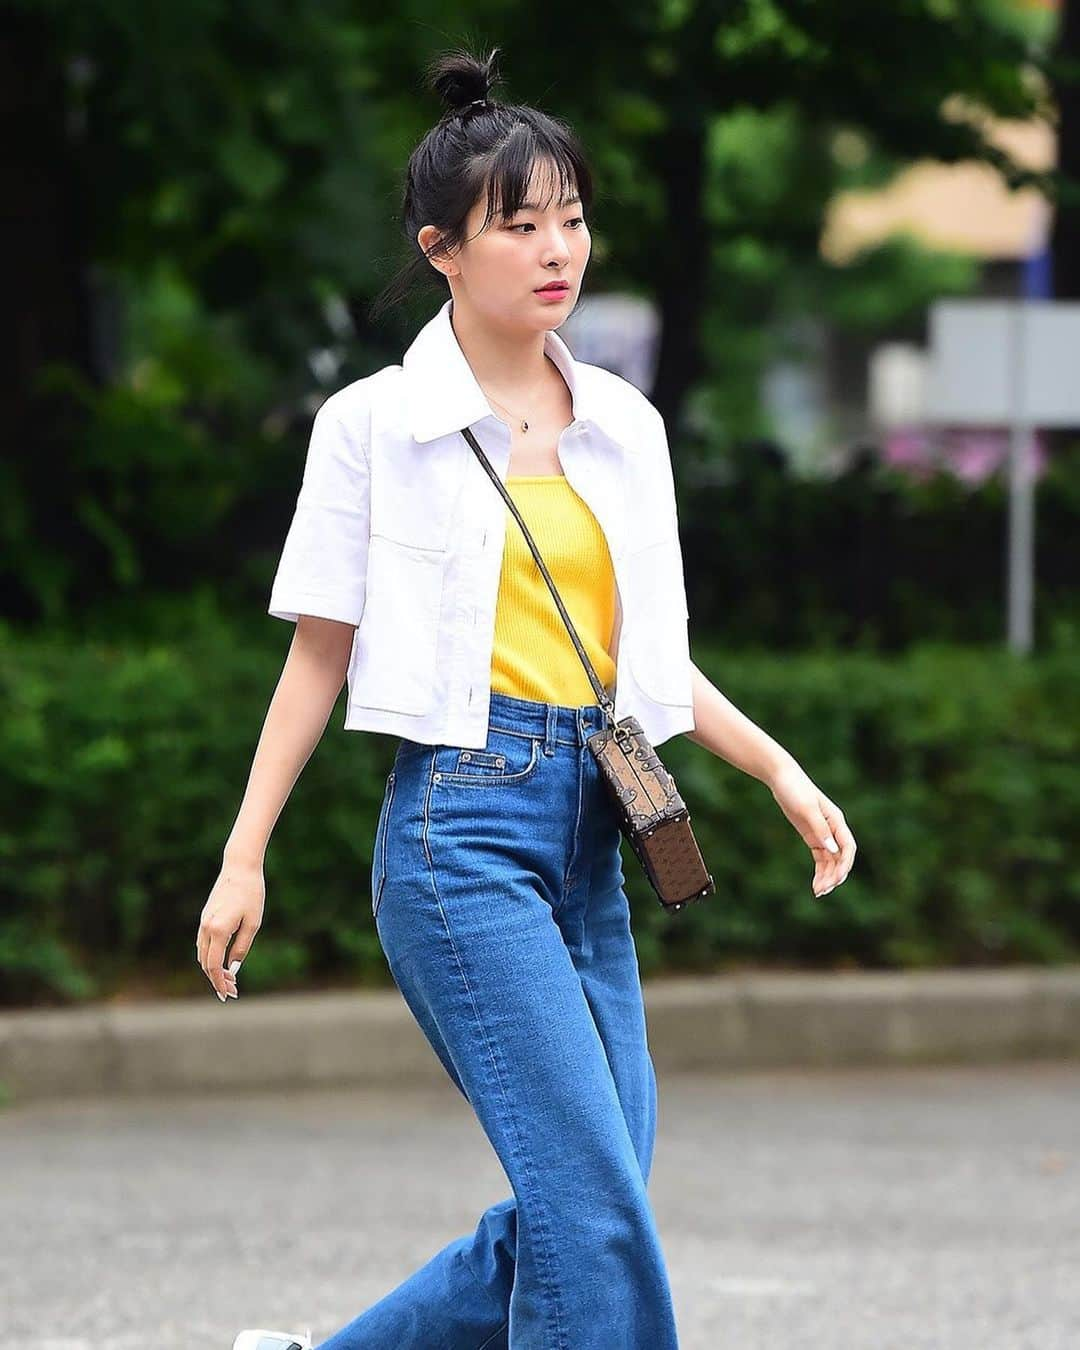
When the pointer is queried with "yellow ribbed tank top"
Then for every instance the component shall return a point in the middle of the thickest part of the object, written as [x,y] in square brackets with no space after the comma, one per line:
[533,654]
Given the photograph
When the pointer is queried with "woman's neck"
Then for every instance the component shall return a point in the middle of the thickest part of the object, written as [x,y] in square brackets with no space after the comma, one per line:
[504,361]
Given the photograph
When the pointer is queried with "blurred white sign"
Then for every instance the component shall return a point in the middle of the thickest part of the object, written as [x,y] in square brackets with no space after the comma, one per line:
[1005,361]
[1015,362]
[897,384]
[620,333]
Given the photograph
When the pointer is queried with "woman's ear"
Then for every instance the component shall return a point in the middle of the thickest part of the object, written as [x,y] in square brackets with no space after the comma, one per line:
[428,237]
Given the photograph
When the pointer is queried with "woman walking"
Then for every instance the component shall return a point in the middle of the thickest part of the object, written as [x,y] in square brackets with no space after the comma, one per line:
[497,887]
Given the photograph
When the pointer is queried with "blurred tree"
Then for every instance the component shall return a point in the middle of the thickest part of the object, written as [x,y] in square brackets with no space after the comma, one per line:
[662,76]
[203,196]
[1065,70]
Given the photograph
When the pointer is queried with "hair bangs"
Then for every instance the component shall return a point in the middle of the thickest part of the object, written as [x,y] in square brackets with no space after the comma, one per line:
[511,166]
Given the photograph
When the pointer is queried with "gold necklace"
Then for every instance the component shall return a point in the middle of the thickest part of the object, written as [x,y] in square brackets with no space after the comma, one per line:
[524,423]
[522,420]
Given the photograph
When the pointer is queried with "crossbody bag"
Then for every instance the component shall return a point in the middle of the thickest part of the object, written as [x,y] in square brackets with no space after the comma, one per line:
[651,813]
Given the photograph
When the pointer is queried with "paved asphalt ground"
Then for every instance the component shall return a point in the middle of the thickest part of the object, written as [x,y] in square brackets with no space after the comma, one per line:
[846,1210]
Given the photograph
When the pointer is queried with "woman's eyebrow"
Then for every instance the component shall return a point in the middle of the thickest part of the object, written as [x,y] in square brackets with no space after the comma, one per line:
[533,206]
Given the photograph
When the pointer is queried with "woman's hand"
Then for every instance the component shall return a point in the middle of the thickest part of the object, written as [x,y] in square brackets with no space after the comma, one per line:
[235,905]
[817,820]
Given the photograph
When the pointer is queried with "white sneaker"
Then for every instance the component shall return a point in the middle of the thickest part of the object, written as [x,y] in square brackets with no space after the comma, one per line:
[273,1340]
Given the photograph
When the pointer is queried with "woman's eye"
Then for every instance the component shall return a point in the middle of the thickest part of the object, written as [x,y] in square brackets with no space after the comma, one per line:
[528,225]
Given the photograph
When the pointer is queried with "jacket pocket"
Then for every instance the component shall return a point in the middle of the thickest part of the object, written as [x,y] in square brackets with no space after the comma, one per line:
[398,637]
[378,856]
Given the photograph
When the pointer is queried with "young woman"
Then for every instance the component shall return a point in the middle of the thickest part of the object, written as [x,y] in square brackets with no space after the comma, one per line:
[497,888]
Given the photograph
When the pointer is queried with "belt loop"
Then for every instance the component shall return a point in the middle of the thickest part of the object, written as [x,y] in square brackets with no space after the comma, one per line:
[588,722]
[551,727]
[581,720]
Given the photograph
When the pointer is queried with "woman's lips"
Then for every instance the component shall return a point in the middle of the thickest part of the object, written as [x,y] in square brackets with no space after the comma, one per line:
[552,292]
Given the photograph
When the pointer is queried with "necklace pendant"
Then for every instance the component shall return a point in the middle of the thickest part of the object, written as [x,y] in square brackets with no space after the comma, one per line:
[524,425]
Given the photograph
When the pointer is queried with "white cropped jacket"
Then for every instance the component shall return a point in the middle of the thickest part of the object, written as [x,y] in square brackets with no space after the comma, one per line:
[398,530]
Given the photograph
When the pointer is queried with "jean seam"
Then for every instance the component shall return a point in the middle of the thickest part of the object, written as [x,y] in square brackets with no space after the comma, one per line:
[498,1331]
[576,840]
[487,1294]
[514,731]
[380,857]
[552,1291]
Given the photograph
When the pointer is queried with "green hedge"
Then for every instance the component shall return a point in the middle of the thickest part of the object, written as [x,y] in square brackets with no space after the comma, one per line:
[123,769]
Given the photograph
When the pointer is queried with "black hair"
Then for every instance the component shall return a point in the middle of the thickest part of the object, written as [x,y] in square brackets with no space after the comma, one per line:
[478,145]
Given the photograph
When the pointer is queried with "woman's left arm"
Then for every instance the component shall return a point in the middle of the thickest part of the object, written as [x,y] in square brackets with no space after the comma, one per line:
[729,733]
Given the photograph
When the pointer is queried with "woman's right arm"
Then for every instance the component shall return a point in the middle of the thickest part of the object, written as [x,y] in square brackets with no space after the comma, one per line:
[300,708]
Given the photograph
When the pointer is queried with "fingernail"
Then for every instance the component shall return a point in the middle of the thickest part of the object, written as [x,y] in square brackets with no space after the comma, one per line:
[831,844]
[234,966]
[220,996]
[232,995]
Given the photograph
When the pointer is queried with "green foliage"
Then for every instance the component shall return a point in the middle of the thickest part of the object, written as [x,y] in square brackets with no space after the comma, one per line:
[124,774]
[246,170]
[123,770]
[233,180]
[871,557]
[956,769]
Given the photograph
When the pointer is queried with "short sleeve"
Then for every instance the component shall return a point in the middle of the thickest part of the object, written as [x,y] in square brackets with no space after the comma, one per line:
[665,473]
[665,500]
[322,570]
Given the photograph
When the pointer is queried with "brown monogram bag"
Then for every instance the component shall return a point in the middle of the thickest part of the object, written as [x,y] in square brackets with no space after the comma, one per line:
[652,815]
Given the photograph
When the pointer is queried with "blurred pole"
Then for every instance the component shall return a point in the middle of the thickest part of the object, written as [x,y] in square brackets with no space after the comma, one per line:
[1036,279]
[1021,565]
[1021,526]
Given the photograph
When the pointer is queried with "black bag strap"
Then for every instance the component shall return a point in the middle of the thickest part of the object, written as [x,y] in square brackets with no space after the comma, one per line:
[602,696]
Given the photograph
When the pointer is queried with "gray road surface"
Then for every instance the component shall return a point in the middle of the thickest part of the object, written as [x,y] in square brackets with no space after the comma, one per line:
[854,1210]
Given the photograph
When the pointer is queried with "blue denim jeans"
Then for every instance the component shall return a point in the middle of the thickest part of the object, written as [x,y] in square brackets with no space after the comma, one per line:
[497,890]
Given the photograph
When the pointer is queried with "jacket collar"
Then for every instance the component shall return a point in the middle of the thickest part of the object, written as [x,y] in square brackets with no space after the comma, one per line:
[444,393]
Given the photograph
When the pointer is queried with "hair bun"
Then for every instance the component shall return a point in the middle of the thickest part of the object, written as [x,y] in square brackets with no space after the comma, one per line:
[459,78]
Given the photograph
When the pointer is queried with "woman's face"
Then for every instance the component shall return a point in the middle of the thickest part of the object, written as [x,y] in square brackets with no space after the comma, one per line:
[497,271]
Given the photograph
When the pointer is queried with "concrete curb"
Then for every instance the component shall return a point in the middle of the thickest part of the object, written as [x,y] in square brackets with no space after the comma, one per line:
[716,1022]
